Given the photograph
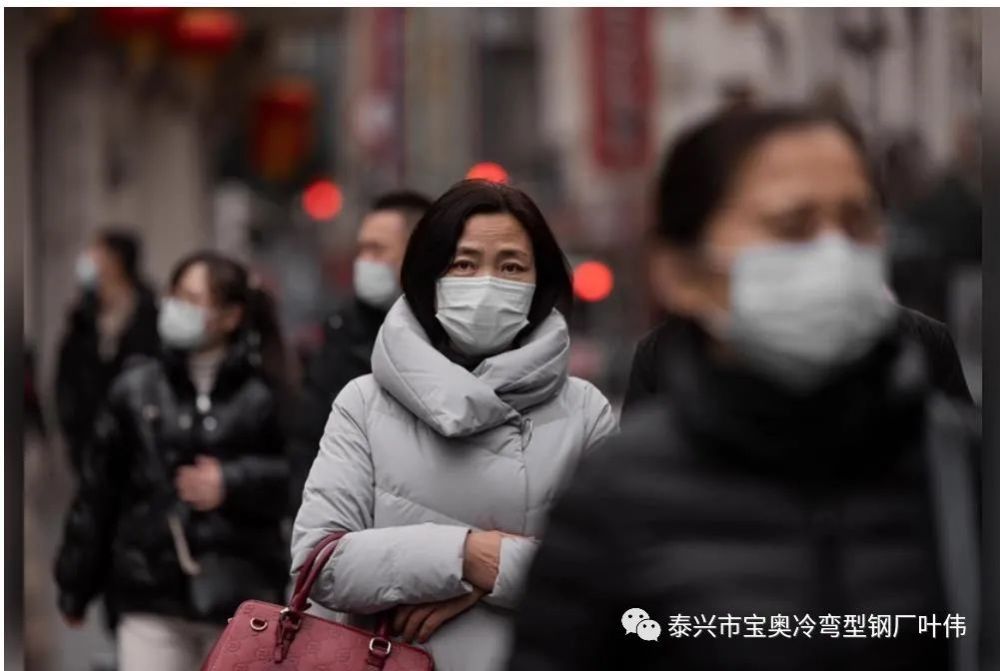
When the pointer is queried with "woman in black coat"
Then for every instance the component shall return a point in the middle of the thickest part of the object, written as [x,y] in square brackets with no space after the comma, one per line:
[803,501]
[184,485]
[113,321]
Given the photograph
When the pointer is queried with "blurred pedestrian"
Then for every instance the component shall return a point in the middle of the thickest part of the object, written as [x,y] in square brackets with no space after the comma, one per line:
[113,319]
[647,377]
[184,484]
[349,333]
[441,463]
[802,468]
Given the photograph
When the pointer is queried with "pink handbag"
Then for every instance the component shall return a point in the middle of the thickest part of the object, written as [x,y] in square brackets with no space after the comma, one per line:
[264,636]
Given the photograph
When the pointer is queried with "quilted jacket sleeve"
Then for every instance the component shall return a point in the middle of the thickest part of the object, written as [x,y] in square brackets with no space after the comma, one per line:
[602,422]
[371,569]
[518,553]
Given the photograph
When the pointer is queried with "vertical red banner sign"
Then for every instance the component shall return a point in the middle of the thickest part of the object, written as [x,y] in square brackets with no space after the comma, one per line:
[621,85]
[283,128]
[388,84]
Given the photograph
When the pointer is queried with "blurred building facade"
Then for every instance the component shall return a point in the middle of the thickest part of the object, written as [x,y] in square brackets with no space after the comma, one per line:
[213,140]
[206,127]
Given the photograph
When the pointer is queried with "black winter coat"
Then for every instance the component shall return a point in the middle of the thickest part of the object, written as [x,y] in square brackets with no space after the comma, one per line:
[736,499]
[117,540]
[83,377]
[648,377]
[349,336]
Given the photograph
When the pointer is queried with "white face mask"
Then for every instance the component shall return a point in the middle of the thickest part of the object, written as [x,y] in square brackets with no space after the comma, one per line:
[182,325]
[86,271]
[799,310]
[375,283]
[482,315]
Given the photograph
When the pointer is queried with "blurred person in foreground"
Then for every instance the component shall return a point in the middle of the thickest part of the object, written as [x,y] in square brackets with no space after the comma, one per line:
[802,466]
[113,320]
[647,377]
[441,463]
[349,333]
[184,484]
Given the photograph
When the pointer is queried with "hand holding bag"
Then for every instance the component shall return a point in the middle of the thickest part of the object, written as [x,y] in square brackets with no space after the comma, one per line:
[264,637]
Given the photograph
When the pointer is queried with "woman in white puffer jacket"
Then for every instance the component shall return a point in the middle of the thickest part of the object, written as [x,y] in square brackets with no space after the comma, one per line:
[443,462]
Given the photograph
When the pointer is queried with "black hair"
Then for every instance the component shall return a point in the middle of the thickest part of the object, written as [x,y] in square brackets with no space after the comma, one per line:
[229,284]
[411,204]
[432,248]
[126,248]
[699,169]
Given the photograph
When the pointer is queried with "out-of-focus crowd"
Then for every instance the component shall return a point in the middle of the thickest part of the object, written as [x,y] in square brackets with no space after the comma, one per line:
[781,449]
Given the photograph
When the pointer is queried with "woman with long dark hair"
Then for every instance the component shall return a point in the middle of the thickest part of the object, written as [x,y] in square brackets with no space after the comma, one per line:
[441,464]
[184,485]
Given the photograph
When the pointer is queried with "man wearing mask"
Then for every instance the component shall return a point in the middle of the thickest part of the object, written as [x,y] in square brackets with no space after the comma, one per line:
[113,320]
[349,333]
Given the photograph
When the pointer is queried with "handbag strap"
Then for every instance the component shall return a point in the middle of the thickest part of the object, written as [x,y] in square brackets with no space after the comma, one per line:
[309,573]
[290,620]
[311,569]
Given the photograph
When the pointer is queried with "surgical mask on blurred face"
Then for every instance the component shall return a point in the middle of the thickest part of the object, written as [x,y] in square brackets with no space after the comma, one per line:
[86,271]
[800,310]
[375,283]
[182,325]
[482,315]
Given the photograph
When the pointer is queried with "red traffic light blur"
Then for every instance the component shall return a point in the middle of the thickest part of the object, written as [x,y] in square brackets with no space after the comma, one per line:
[593,281]
[322,200]
[491,172]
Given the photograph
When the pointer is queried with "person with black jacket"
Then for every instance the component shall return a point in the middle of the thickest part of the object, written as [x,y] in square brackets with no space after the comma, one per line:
[113,320]
[349,332]
[803,500]
[183,485]
[647,377]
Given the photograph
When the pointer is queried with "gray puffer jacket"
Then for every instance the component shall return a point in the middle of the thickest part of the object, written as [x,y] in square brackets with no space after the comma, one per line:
[421,452]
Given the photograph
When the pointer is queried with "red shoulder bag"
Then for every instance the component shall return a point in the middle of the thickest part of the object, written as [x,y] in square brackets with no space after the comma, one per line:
[265,636]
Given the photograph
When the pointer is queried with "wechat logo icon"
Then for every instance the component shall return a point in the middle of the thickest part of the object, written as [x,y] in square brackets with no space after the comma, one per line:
[637,621]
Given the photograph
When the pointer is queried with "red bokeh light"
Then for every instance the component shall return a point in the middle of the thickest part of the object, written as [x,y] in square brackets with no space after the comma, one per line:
[322,200]
[210,32]
[491,172]
[593,281]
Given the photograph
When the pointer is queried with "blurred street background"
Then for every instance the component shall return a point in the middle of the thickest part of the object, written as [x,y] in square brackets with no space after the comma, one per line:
[265,133]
